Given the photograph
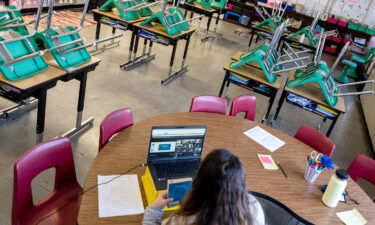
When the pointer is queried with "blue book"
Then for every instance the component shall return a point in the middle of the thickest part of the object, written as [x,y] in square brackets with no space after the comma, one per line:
[177,189]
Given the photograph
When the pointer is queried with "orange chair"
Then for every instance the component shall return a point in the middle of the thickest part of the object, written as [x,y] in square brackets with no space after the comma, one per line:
[114,123]
[62,205]
[315,139]
[246,104]
[209,103]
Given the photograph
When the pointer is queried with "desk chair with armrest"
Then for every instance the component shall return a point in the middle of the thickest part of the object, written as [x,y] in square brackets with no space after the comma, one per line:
[316,140]
[115,122]
[209,103]
[52,154]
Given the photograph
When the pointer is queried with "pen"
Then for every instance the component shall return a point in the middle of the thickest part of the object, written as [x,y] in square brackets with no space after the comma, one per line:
[282,169]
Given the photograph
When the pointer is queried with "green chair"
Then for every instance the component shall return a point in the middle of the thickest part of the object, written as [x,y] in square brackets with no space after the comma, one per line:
[350,66]
[219,3]
[127,9]
[19,53]
[168,18]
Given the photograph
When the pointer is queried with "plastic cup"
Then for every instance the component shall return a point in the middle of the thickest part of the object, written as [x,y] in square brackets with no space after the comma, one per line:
[312,173]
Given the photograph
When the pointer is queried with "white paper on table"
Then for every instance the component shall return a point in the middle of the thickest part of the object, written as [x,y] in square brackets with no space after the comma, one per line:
[119,197]
[264,138]
[352,217]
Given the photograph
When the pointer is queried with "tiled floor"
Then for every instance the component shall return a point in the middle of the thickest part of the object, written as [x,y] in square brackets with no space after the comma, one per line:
[110,88]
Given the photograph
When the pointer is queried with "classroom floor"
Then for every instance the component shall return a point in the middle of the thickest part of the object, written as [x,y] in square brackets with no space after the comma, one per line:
[109,88]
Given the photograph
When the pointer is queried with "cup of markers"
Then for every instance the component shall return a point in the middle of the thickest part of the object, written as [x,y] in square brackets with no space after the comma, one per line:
[316,162]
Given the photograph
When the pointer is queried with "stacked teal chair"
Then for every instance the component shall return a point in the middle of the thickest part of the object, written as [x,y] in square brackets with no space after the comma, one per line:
[129,10]
[19,53]
[64,43]
[350,66]
[308,31]
[206,4]
[11,16]
[269,59]
[219,3]
[274,20]
[172,20]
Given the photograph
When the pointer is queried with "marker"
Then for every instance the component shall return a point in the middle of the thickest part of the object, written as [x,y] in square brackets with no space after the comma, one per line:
[282,169]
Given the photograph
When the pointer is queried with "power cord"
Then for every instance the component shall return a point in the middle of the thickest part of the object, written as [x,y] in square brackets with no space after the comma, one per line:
[83,192]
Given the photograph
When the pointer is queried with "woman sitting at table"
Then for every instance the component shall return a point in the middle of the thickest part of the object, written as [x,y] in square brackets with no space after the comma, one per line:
[218,196]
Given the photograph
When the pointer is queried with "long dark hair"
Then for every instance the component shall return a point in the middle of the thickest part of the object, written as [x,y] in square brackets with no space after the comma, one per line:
[218,194]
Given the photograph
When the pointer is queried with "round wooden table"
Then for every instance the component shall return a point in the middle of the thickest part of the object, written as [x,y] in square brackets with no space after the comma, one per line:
[129,148]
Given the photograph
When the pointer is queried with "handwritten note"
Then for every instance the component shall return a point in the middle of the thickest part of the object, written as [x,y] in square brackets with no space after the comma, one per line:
[352,217]
[264,138]
[120,196]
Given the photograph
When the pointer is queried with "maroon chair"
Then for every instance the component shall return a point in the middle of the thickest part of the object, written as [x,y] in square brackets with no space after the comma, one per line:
[52,154]
[114,123]
[246,104]
[209,103]
[362,167]
[315,140]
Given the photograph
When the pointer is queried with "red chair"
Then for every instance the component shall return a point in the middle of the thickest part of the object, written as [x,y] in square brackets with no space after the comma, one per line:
[362,167]
[209,103]
[315,140]
[246,104]
[52,154]
[114,123]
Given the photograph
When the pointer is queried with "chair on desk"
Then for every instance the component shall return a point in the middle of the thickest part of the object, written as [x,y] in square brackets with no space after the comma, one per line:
[114,123]
[246,104]
[52,154]
[316,140]
[209,103]
[362,167]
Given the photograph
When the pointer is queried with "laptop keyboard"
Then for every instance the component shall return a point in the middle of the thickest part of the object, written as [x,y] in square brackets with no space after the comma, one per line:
[166,169]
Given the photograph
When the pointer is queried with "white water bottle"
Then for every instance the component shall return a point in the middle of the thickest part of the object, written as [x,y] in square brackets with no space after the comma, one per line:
[335,188]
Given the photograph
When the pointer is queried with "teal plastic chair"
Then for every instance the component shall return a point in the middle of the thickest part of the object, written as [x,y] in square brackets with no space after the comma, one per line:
[350,66]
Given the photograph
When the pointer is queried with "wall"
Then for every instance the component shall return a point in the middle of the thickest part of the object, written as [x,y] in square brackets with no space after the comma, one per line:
[361,10]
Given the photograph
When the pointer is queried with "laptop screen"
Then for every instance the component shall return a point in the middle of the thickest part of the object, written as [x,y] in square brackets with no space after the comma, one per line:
[176,142]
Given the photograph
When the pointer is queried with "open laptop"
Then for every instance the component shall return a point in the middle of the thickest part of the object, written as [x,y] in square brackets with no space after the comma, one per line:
[174,152]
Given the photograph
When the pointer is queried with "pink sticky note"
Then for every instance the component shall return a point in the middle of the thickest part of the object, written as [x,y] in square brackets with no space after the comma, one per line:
[265,159]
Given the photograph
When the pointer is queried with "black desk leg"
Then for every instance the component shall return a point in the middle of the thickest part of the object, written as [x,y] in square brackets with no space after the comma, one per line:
[251,38]
[81,102]
[218,18]
[113,30]
[185,53]
[183,69]
[207,29]
[185,12]
[269,107]
[225,80]
[135,49]
[279,104]
[97,33]
[131,46]
[191,14]
[332,125]
[40,120]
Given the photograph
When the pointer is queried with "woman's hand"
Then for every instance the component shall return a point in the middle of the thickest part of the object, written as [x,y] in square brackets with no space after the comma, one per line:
[162,200]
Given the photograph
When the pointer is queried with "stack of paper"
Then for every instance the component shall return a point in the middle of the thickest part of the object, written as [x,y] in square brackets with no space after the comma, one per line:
[352,217]
[119,197]
[264,138]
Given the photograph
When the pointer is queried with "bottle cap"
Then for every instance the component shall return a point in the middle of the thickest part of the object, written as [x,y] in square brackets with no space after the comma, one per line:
[342,174]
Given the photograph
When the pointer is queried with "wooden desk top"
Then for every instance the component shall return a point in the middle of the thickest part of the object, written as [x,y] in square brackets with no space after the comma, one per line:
[159,29]
[264,29]
[130,148]
[48,75]
[252,70]
[200,7]
[51,61]
[314,93]
[114,14]
[305,42]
